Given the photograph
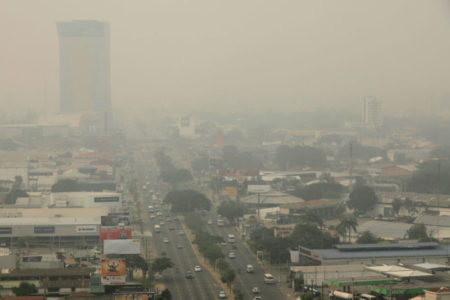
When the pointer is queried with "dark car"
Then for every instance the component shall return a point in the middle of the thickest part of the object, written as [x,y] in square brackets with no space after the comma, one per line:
[189,275]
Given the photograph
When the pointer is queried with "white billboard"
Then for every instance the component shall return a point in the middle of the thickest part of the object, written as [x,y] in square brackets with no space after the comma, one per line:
[121,247]
[258,188]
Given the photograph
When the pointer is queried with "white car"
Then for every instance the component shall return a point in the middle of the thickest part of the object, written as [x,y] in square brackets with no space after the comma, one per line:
[210,222]
[231,255]
[197,269]
[181,232]
[257,298]
[222,295]
[166,240]
[255,290]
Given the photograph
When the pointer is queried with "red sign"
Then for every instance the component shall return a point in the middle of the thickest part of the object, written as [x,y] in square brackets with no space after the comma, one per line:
[114,233]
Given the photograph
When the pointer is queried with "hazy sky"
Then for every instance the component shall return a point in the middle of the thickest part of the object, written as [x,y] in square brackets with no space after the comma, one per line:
[237,54]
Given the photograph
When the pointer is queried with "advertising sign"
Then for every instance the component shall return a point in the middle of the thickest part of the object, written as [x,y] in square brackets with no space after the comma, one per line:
[44,229]
[230,190]
[121,247]
[114,219]
[258,188]
[115,233]
[113,271]
[106,199]
[86,229]
[134,296]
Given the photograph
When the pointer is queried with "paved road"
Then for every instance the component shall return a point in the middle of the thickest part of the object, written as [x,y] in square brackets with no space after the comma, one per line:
[243,258]
[203,286]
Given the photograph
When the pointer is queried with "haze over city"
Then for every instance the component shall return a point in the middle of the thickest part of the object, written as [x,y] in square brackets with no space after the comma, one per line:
[237,55]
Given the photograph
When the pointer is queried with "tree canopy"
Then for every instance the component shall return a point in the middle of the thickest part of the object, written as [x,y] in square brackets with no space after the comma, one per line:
[184,201]
[231,210]
[25,289]
[175,176]
[319,190]
[362,198]
[367,237]
[160,264]
[418,232]
[347,223]
[309,236]
[299,156]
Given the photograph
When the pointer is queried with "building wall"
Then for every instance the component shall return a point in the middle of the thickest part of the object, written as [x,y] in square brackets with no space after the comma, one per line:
[84,66]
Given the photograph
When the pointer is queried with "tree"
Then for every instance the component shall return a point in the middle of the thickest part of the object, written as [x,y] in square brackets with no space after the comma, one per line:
[362,198]
[160,264]
[396,205]
[184,201]
[228,276]
[25,289]
[418,232]
[135,261]
[231,210]
[175,176]
[299,156]
[65,185]
[309,236]
[165,295]
[367,237]
[310,217]
[347,224]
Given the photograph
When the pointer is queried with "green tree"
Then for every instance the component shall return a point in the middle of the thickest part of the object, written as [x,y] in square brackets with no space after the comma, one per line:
[165,295]
[232,210]
[418,232]
[25,289]
[347,223]
[362,198]
[228,276]
[367,237]
[184,201]
[160,264]
[396,205]
[310,217]
[309,236]
[175,176]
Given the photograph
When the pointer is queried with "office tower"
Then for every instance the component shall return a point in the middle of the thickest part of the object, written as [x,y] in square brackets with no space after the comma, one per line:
[372,115]
[84,67]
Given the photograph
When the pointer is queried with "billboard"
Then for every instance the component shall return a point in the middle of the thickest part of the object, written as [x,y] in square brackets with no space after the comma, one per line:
[115,233]
[134,296]
[113,271]
[121,247]
[114,219]
[258,188]
[230,190]
[86,229]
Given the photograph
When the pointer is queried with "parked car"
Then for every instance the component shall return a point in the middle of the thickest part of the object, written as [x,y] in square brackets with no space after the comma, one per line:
[222,295]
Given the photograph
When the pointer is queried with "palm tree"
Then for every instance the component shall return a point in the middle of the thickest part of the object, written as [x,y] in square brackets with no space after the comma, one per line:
[346,225]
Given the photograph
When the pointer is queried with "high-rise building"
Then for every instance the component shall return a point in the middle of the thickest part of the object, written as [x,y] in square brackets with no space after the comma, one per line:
[372,115]
[84,66]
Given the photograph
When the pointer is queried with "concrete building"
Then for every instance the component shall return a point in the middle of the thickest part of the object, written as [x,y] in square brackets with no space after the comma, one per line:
[372,115]
[84,67]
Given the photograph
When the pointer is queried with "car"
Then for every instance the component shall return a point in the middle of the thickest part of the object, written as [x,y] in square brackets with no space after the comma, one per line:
[197,269]
[231,255]
[189,275]
[257,298]
[223,243]
[152,216]
[210,222]
[163,253]
[179,246]
[171,228]
[255,290]
[161,223]
[159,213]
[166,240]
[250,269]
[222,295]
[181,232]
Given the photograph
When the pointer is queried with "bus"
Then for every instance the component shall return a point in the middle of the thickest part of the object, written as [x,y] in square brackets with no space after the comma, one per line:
[268,279]
[231,238]
[220,222]
[157,228]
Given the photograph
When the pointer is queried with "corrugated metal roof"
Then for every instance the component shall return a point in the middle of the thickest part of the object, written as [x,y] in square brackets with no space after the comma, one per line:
[336,254]
[50,221]
[366,247]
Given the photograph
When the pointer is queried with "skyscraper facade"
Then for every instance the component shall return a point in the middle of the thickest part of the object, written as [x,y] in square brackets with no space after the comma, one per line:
[84,65]
[372,114]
